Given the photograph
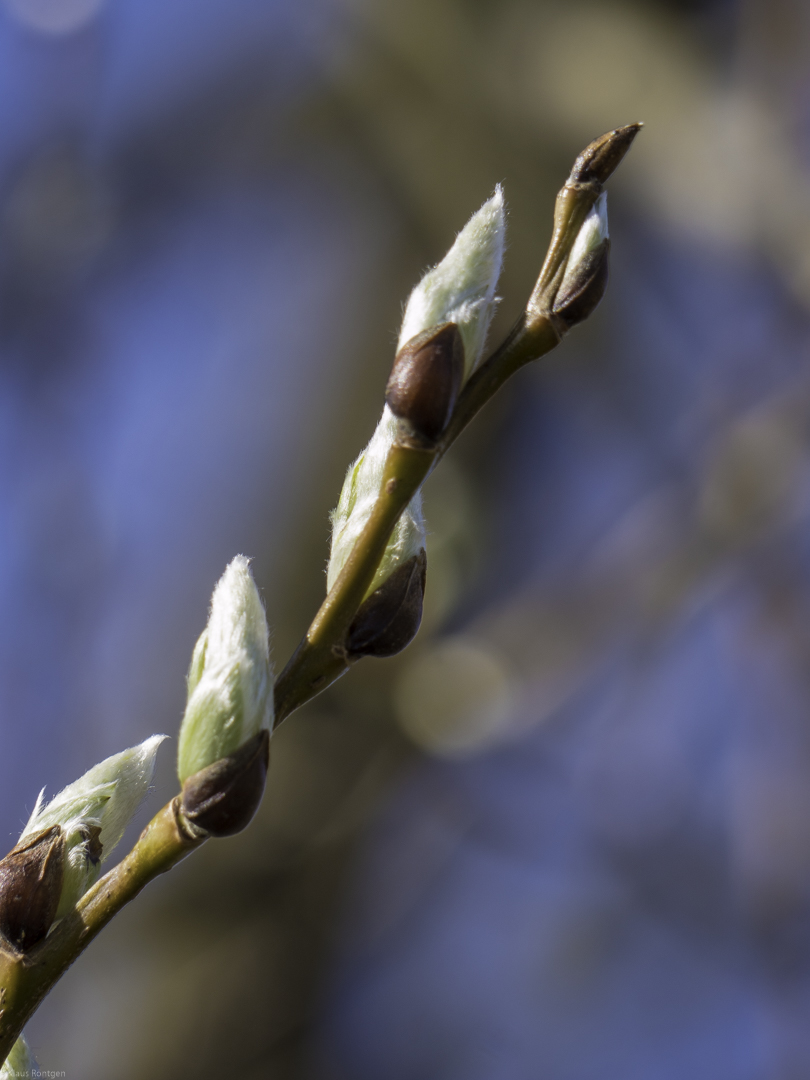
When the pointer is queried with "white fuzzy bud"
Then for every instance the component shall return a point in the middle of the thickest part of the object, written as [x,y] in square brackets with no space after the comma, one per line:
[20,1062]
[360,490]
[93,813]
[461,289]
[591,236]
[230,681]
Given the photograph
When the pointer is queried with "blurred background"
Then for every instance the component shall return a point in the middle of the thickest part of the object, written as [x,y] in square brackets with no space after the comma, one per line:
[566,835]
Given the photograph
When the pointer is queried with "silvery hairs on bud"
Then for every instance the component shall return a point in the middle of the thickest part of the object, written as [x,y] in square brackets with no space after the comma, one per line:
[461,290]
[93,813]
[20,1062]
[230,680]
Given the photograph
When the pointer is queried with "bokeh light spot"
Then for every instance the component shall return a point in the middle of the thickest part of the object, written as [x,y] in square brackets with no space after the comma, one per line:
[454,699]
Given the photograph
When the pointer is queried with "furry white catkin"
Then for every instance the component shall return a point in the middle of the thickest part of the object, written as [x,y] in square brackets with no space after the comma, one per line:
[103,800]
[460,289]
[230,681]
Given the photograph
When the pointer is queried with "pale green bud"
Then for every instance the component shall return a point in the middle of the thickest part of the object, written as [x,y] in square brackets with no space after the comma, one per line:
[461,289]
[93,813]
[591,236]
[20,1063]
[360,490]
[586,272]
[230,681]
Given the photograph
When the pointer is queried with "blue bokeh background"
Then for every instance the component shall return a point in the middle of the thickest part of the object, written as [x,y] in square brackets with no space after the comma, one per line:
[567,833]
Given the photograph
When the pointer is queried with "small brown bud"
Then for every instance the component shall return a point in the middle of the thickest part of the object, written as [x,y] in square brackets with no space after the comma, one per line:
[581,295]
[388,619]
[222,798]
[603,156]
[425,380]
[30,887]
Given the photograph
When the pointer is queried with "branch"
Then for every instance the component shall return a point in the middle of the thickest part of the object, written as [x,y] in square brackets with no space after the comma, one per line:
[26,978]
[556,304]
[223,769]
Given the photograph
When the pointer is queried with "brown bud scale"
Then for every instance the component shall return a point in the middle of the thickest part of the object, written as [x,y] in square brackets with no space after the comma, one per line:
[388,619]
[603,156]
[30,887]
[222,798]
[584,293]
[425,380]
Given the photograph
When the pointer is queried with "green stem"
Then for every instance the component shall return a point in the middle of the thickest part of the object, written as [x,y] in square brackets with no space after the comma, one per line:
[526,342]
[320,659]
[25,978]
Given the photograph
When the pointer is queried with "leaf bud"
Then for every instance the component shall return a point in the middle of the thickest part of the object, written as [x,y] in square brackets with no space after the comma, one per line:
[425,380]
[586,273]
[461,288]
[388,619]
[600,159]
[361,490]
[93,813]
[222,798]
[30,887]
[20,1063]
[230,681]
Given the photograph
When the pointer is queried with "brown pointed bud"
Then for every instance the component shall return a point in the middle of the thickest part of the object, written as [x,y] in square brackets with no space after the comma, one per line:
[388,619]
[603,156]
[222,798]
[425,380]
[30,887]
[581,292]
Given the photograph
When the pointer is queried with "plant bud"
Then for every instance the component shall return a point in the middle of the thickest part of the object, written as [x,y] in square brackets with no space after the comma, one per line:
[461,288]
[389,618]
[30,887]
[425,380]
[93,813]
[20,1063]
[222,798]
[586,273]
[230,681]
[603,156]
[582,293]
[361,489]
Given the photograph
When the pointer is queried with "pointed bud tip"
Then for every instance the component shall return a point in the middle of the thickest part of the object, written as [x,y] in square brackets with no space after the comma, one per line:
[602,157]
[425,380]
